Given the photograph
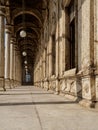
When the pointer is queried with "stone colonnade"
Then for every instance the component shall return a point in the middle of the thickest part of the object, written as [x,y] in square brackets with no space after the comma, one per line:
[78,78]
[10,62]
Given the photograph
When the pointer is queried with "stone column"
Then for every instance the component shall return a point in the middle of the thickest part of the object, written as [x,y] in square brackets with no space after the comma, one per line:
[63,40]
[12,62]
[60,26]
[96,44]
[57,57]
[14,69]
[43,67]
[17,72]
[35,75]
[7,56]
[20,70]
[44,64]
[87,50]
[2,29]
[47,68]
[50,56]
[38,74]
[40,71]
[47,62]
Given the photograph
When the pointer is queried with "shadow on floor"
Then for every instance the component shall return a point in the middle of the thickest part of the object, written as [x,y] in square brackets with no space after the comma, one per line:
[38,103]
[24,93]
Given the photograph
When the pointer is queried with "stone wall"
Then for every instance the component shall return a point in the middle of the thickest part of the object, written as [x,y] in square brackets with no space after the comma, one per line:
[82,80]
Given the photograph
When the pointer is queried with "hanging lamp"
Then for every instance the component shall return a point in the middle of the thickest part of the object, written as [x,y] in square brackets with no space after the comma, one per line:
[23,32]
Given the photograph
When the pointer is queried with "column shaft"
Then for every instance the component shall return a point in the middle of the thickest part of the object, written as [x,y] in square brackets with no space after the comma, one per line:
[50,57]
[2,17]
[60,37]
[12,64]
[7,58]
[96,45]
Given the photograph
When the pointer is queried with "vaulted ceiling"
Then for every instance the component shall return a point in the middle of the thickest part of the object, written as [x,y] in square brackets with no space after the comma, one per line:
[28,15]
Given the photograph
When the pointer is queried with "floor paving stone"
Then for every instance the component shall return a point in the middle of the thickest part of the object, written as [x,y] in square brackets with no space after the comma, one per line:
[31,108]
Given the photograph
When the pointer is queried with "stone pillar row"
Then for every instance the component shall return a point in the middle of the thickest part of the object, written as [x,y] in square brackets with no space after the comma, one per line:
[8,57]
[43,68]
[61,37]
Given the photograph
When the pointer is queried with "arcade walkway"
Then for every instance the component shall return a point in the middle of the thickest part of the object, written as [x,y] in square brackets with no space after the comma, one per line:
[30,108]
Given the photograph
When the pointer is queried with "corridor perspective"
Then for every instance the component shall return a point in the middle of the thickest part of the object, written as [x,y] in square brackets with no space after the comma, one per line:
[48,64]
[31,108]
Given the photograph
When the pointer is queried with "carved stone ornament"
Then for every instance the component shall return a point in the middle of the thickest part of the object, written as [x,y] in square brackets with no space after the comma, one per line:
[66,3]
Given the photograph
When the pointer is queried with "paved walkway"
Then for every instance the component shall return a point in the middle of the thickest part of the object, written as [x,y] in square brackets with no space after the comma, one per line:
[30,108]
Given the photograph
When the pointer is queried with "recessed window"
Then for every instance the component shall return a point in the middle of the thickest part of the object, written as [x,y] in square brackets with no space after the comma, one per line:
[53,54]
[70,53]
[72,44]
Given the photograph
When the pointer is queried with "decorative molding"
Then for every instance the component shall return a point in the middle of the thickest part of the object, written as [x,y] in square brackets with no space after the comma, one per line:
[2,14]
[2,11]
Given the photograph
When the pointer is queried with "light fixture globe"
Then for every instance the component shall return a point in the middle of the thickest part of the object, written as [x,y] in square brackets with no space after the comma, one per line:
[24,53]
[25,62]
[22,33]
[26,67]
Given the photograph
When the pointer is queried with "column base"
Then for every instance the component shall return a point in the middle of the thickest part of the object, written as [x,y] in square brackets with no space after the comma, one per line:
[42,84]
[47,86]
[57,90]
[7,84]
[96,105]
[88,88]
[17,83]
[56,93]
[87,103]
[12,83]
[2,85]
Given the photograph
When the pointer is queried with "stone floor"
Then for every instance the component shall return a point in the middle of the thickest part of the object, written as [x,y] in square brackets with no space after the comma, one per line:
[30,108]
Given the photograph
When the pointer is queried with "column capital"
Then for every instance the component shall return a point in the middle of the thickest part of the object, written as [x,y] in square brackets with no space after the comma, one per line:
[66,3]
[13,40]
[8,28]
[2,11]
